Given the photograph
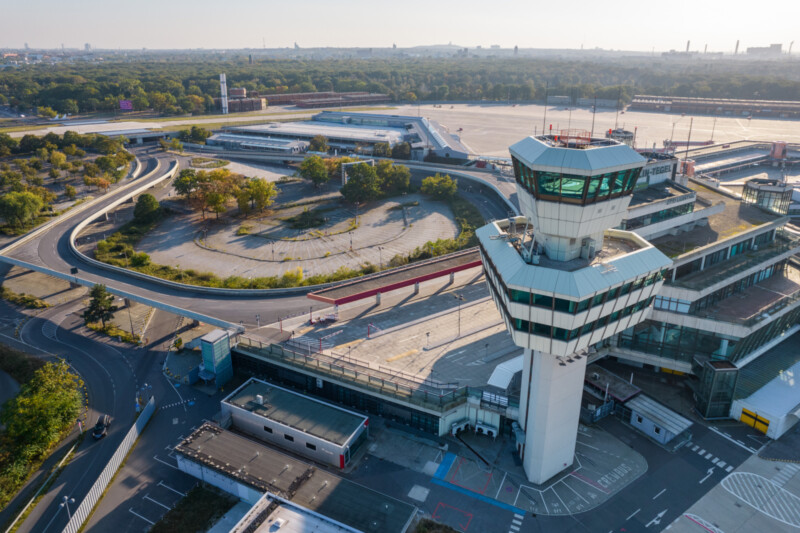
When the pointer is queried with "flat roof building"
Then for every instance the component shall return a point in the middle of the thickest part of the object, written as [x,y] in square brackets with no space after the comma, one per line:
[248,470]
[309,427]
[346,131]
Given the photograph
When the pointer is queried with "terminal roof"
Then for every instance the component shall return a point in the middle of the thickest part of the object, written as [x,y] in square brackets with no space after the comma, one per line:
[322,420]
[610,157]
[265,469]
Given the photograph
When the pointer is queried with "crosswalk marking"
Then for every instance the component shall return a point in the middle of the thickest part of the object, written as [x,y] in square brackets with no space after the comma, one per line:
[728,470]
[695,447]
[721,464]
[702,452]
[710,455]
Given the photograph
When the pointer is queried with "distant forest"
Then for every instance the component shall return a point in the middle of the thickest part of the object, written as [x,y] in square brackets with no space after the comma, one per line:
[180,86]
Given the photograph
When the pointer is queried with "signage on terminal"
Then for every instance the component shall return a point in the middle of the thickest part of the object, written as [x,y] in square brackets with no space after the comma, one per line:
[649,171]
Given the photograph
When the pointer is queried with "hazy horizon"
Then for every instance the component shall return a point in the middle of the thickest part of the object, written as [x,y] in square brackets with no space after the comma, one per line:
[624,25]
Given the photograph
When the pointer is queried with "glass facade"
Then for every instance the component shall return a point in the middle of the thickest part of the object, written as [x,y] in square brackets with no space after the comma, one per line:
[659,216]
[679,343]
[337,393]
[775,201]
[714,392]
[572,188]
[564,306]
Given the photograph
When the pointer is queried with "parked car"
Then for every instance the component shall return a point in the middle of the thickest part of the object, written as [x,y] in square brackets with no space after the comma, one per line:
[101,428]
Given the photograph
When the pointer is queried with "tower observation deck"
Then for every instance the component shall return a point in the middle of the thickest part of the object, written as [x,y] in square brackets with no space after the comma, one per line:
[564,281]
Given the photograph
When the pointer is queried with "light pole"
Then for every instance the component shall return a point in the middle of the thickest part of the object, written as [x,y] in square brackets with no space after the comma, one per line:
[460,299]
[380,256]
[258,320]
[65,503]
[351,240]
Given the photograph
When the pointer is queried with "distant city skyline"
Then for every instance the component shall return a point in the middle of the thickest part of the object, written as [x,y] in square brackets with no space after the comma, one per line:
[620,25]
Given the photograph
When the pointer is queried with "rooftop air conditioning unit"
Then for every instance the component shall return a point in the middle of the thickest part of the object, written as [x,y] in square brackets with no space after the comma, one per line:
[259,399]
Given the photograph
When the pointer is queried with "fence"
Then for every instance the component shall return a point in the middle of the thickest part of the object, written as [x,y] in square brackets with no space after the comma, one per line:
[91,499]
[341,367]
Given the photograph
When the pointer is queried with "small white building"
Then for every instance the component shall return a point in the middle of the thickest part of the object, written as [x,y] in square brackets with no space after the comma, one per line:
[655,420]
[320,431]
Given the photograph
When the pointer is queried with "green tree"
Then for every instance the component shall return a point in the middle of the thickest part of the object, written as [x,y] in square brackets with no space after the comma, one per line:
[318,144]
[147,209]
[46,112]
[401,151]
[70,191]
[194,135]
[440,187]
[18,208]
[175,144]
[313,168]
[363,184]
[46,405]
[394,178]
[381,150]
[262,193]
[186,183]
[101,306]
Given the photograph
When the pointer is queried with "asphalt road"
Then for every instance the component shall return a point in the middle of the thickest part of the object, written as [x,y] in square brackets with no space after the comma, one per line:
[109,378]
[52,250]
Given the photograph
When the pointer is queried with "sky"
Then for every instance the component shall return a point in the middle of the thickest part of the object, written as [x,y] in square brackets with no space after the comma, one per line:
[608,24]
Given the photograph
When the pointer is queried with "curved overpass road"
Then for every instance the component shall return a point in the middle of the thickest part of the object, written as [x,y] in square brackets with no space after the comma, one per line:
[51,250]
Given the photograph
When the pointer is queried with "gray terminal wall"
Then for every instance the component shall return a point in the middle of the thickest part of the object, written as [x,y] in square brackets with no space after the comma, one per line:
[292,439]
[208,475]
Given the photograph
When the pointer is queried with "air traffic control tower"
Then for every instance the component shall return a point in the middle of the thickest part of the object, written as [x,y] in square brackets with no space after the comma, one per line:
[564,281]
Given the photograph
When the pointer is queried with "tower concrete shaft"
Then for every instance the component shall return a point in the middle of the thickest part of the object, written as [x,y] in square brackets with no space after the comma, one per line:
[549,413]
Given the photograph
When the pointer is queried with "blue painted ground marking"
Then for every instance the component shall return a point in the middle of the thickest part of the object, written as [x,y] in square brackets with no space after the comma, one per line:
[480,497]
[444,467]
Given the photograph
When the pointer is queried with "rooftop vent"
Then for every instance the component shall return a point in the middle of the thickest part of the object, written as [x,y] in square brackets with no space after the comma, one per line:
[259,399]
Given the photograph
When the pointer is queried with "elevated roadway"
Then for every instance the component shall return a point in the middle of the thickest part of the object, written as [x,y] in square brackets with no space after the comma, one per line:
[50,249]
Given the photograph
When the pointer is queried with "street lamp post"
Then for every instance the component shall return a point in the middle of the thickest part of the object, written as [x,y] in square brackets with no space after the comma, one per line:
[380,256]
[258,320]
[65,503]
[460,299]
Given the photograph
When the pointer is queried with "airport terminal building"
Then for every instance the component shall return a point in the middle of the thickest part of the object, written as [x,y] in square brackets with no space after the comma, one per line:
[346,132]
[728,295]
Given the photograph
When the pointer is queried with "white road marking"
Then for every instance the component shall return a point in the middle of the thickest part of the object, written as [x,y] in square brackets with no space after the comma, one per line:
[140,516]
[708,475]
[702,452]
[709,455]
[147,497]
[587,445]
[765,496]
[736,442]
[660,493]
[162,484]
[166,463]
[634,514]
[728,470]
[657,520]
